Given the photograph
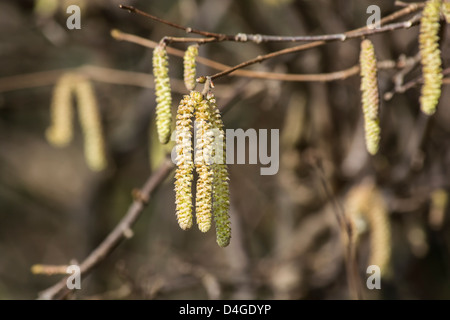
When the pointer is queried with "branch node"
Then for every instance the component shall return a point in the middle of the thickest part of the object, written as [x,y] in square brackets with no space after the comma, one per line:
[241,37]
[257,38]
[188,30]
[128,233]
[139,196]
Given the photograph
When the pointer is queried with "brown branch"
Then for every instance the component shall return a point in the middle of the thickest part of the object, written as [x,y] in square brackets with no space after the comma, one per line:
[259,38]
[172,24]
[100,74]
[411,84]
[318,77]
[348,35]
[60,290]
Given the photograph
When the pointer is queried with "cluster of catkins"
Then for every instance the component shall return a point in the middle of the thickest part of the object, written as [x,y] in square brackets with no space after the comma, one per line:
[431,70]
[60,132]
[212,192]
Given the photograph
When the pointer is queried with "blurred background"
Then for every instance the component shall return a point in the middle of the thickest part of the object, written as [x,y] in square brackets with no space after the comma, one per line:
[286,241]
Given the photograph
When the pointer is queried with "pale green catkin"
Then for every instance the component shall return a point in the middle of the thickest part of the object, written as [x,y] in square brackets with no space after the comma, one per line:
[430,56]
[60,132]
[370,96]
[163,93]
[204,141]
[91,125]
[221,192]
[190,66]
[185,164]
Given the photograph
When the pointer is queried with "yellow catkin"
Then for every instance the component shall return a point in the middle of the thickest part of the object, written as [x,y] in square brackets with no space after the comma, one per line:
[438,206]
[446,10]
[163,93]
[203,155]
[60,132]
[430,56]
[185,164]
[91,125]
[366,209]
[221,192]
[370,96]
[190,66]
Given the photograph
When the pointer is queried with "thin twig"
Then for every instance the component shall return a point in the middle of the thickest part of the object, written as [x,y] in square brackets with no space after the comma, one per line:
[60,290]
[172,24]
[411,84]
[348,35]
[95,73]
[351,266]
[318,77]
[258,38]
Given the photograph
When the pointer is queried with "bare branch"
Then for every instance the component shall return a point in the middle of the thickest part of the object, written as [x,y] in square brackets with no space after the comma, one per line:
[60,290]
[348,35]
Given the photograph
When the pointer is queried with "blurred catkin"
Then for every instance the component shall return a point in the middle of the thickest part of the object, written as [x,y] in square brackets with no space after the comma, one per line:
[185,164]
[221,193]
[203,153]
[370,96]
[163,93]
[91,125]
[190,66]
[60,132]
[430,56]
[366,209]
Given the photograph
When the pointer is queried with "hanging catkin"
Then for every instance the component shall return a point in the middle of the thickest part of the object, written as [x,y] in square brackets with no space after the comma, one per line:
[221,193]
[366,209]
[60,132]
[190,66]
[91,125]
[163,93]
[203,148]
[430,56]
[446,10]
[370,97]
[185,164]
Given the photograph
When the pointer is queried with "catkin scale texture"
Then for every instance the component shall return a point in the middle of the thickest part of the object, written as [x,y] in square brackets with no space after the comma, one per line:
[370,96]
[430,57]
[185,164]
[163,93]
[204,141]
[221,192]
[190,66]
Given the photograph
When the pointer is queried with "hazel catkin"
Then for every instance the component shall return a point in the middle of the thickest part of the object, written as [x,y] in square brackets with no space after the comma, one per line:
[163,93]
[221,192]
[91,125]
[430,56]
[189,64]
[185,164]
[60,132]
[370,96]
